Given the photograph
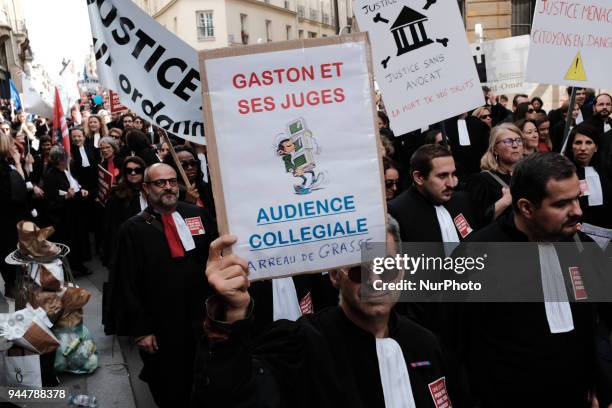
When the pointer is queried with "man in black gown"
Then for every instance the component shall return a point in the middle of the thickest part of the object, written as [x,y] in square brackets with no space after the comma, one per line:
[159,287]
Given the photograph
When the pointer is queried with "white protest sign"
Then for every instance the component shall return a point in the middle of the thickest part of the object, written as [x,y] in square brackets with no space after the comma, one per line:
[33,101]
[153,71]
[421,59]
[570,43]
[501,64]
[293,152]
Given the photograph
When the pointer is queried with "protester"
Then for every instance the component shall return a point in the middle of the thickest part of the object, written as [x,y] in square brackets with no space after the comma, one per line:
[434,136]
[65,210]
[94,131]
[602,108]
[531,137]
[13,206]
[595,200]
[524,110]
[543,125]
[355,354]
[391,178]
[484,113]
[127,121]
[84,161]
[198,192]
[111,161]
[513,351]
[538,104]
[126,199]
[162,151]
[138,143]
[489,189]
[157,296]
[41,160]
[117,134]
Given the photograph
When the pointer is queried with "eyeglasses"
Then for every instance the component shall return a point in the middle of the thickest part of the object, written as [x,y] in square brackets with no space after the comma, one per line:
[391,183]
[530,110]
[161,183]
[189,163]
[485,117]
[511,142]
[134,170]
[388,275]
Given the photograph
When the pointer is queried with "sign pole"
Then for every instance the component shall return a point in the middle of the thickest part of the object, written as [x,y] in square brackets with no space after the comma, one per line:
[568,119]
[175,158]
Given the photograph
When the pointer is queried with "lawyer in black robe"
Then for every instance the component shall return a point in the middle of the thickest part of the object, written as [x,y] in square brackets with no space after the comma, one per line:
[323,360]
[511,355]
[153,293]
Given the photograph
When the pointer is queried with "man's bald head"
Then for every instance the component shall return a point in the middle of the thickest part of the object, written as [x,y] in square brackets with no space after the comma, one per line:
[157,171]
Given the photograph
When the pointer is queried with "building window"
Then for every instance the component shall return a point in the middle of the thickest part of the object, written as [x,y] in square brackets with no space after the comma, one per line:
[269,30]
[300,33]
[312,34]
[244,31]
[205,24]
[288,28]
[522,16]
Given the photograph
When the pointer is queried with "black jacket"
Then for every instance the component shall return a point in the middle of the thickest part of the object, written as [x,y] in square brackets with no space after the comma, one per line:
[322,360]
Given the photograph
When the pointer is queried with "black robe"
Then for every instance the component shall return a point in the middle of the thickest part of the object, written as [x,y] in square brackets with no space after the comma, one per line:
[417,218]
[511,356]
[313,289]
[152,293]
[68,217]
[467,158]
[322,360]
[600,215]
[484,191]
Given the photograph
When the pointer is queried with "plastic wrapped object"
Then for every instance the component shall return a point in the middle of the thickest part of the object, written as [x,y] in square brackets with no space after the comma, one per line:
[77,352]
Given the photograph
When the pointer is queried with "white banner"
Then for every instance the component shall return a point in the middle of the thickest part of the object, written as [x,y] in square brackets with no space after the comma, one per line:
[297,152]
[153,71]
[33,102]
[422,60]
[570,44]
[501,64]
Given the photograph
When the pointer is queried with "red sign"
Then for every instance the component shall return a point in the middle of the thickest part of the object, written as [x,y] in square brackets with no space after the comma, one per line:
[462,225]
[115,103]
[577,283]
[195,225]
[105,182]
[439,394]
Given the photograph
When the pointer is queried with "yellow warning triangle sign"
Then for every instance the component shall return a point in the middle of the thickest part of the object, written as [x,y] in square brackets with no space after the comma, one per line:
[576,70]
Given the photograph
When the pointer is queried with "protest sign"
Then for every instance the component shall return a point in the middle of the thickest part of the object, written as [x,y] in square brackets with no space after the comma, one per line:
[115,103]
[570,43]
[501,64]
[154,72]
[421,60]
[105,182]
[293,152]
[33,101]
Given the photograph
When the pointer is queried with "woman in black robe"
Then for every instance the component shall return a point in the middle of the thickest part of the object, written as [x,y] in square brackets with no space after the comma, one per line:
[65,198]
[489,189]
[582,149]
[126,200]
[201,194]
[13,205]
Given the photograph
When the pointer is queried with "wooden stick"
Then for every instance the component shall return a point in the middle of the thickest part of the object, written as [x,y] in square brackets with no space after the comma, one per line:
[175,158]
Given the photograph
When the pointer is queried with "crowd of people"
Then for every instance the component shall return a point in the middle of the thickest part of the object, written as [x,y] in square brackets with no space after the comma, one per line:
[312,340]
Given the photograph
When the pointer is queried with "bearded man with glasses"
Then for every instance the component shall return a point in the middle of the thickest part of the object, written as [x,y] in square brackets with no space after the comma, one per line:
[157,287]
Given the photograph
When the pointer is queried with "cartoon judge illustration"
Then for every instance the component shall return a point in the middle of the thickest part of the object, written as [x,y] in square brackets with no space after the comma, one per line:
[297,149]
